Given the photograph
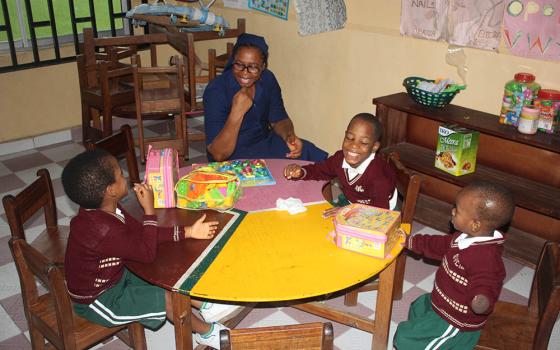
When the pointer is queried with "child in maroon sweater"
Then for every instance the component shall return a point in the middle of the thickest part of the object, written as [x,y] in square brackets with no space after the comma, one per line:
[103,236]
[470,277]
[363,177]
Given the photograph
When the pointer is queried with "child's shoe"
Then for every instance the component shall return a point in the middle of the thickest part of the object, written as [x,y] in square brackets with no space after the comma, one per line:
[212,338]
[212,312]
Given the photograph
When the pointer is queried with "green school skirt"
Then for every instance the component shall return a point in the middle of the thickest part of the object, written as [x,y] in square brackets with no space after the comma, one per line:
[425,329]
[131,299]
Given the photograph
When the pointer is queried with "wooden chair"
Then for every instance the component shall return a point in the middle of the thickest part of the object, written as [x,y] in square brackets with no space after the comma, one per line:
[307,336]
[50,316]
[101,72]
[514,326]
[24,205]
[120,145]
[155,102]
[408,188]
[216,63]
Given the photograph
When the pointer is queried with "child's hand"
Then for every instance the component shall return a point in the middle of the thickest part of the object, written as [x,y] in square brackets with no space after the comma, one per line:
[145,195]
[292,171]
[330,212]
[480,304]
[201,229]
[295,146]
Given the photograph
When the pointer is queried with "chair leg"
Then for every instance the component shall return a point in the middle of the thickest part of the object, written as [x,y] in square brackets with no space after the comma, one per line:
[399,277]
[37,339]
[185,135]
[137,335]
[107,122]
[351,298]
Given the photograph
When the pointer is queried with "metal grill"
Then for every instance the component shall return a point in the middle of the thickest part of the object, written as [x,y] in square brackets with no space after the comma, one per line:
[41,34]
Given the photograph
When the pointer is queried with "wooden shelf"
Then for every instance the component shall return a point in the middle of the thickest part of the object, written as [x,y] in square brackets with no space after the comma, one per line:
[484,122]
[528,165]
[528,194]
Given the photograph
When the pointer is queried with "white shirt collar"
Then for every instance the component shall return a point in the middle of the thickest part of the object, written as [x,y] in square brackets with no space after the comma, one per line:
[464,241]
[353,172]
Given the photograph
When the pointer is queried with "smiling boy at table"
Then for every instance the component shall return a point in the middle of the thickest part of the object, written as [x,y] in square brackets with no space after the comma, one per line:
[103,236]
[363,177]
[470,277]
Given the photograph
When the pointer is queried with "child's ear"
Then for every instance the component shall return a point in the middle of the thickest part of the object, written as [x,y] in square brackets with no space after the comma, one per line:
[475,225]
[376,146]
[110,190]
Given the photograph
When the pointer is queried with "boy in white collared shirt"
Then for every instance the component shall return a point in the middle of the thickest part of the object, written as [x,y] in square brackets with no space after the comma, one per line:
[363,177]
[470,277]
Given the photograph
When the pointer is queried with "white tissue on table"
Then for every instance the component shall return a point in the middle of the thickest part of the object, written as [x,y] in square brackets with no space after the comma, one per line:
[292,205]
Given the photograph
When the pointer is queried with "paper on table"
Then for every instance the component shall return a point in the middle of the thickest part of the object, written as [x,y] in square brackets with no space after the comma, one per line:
[292,205]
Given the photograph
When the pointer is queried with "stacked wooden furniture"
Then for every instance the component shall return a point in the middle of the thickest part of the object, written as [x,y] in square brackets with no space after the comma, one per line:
[529,165]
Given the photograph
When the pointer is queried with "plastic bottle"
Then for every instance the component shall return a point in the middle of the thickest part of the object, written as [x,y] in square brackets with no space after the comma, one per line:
[521,91]
[528,120]
[548,103]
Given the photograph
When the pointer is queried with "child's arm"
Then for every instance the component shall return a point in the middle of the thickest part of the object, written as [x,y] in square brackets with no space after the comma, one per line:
[431,246]
[201,229]
[293,172]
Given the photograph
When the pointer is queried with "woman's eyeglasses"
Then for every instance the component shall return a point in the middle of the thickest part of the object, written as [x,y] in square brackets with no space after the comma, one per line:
[240,67]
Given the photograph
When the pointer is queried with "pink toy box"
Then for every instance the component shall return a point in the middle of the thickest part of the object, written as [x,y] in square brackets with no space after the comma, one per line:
[162,171]
[368,230]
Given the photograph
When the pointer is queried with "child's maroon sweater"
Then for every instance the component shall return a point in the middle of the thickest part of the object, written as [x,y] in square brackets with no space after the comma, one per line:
[463,273]
[100,243]
[374,187]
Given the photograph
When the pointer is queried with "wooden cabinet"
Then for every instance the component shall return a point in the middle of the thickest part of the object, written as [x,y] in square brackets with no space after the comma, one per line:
[529,165]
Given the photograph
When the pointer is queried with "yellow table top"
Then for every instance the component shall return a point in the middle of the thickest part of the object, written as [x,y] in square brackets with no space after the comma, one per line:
[275,256]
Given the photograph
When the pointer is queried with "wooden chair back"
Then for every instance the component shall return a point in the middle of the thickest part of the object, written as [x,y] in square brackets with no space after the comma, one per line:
[307,336]
[50,316]
[120,145]
[102,70]
[408,189]
[165,101]
[218,63]
[24,205]
[514,326]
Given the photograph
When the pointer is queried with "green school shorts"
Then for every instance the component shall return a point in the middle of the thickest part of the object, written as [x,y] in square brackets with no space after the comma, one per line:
[425,329]
[131,299]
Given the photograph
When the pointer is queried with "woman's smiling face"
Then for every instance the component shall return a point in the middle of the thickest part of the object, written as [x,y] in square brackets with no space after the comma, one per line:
[247,66]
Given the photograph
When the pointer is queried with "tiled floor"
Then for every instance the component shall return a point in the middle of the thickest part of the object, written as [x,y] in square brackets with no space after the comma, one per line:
[18,169]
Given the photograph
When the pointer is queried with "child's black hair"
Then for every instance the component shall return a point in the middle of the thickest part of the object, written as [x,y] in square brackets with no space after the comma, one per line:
[86,177]
[495,204]
[374,121]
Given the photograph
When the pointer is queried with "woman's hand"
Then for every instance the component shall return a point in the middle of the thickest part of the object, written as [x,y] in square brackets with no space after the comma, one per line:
[292,171]
[145,195]
[243,100]
[295,145]
[201,229]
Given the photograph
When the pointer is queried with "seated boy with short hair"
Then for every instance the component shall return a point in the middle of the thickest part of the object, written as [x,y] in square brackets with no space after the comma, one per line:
[364,176]
[103,236]
[470,277]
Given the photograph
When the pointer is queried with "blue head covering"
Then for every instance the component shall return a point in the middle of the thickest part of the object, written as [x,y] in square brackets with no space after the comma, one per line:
[248,40]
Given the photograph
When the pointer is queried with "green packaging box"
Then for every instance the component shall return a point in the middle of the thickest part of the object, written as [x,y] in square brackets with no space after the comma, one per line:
[456,149]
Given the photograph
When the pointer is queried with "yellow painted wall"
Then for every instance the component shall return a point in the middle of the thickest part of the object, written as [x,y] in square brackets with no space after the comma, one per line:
[326,78]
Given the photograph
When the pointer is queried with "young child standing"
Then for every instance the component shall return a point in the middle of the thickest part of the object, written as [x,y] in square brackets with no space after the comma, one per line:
[103,236]
[364,178]
[470,277]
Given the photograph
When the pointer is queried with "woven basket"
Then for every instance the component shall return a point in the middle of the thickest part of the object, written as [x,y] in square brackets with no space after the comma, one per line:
[426,98]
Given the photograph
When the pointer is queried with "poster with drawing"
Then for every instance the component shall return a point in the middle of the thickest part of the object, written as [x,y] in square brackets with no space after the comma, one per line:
[472,23]
[475,23]
[424,19]
[532,28]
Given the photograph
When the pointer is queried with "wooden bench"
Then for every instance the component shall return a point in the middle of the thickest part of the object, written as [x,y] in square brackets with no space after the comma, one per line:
[529,165]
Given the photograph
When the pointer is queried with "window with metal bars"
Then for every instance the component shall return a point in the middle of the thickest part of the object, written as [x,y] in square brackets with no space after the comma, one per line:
[36,33]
